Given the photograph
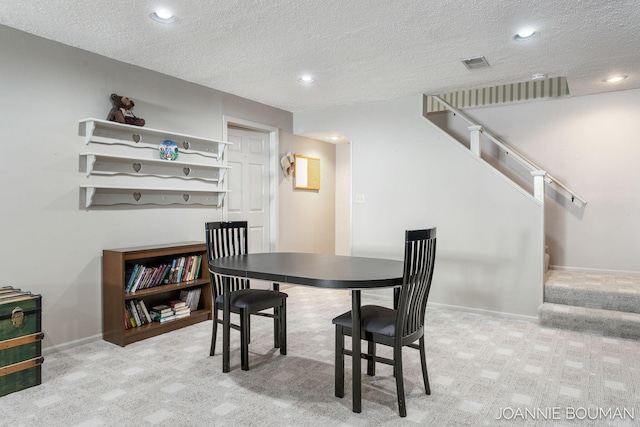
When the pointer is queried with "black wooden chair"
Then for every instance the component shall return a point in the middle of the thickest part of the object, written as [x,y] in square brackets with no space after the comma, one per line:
[398,327]
[229,239]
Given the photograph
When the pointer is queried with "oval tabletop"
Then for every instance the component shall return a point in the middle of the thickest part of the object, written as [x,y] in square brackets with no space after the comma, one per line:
[326,271]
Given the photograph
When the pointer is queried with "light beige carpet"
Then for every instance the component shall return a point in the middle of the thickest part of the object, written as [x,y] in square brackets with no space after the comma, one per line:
[481,368]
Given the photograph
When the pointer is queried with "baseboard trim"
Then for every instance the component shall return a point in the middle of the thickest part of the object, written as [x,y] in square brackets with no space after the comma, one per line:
[387,301]
[71,344]
[594,270]
[493,313]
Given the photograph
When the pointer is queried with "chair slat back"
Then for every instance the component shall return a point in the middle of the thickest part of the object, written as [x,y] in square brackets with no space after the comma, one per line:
[224,239]
[419,259]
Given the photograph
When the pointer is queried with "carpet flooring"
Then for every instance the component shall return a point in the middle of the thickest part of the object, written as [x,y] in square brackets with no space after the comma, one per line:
[483,370]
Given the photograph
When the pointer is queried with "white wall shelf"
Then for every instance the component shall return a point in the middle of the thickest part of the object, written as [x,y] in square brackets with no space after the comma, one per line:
[101,195]
[107,132]
[107,164]
[141,170]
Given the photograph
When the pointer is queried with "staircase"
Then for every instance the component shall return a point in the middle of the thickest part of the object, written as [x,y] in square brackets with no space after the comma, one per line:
[600,304]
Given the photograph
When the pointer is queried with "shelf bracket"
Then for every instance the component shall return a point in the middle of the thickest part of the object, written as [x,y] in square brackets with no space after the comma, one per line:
[89,128]
[89,193]
[91,161]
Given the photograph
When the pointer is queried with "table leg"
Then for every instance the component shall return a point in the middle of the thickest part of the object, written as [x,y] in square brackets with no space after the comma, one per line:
[355,351]
[226,320]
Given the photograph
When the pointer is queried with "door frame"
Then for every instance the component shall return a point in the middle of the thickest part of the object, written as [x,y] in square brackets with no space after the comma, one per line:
[274,138]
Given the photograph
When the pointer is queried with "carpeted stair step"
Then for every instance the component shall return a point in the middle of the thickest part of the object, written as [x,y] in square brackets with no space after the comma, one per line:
[599,291]
[590,320]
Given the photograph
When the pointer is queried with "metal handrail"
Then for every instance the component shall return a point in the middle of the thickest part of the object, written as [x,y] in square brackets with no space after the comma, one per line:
[532,167]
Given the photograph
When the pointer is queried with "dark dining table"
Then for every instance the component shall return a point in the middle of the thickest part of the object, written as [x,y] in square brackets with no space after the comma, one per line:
[318,270]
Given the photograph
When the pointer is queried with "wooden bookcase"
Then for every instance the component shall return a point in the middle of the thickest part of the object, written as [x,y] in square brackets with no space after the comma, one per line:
[115,263]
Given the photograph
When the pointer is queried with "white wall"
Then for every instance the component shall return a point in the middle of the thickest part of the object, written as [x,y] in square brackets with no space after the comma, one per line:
[489,232]
[343,199]
[410,174]
[590,143]
[306,218]
[49,245]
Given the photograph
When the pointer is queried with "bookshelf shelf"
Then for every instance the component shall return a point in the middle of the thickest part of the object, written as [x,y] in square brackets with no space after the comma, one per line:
[165,288]
[155,328]
[116,263]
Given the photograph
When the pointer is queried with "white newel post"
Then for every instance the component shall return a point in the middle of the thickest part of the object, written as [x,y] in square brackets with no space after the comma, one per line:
[474,135]
[538,184]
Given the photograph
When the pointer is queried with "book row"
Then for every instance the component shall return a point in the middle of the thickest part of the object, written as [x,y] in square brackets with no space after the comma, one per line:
[181,269]
[137,313]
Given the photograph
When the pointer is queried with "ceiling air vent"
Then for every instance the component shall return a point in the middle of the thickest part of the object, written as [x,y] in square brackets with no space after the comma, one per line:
[475,62]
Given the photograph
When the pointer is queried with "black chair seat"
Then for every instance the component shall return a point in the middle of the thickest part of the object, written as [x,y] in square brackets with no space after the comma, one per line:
[251,299]
[373,318]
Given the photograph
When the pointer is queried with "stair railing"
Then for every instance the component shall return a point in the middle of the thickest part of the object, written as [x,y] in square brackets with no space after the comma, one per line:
[539,175]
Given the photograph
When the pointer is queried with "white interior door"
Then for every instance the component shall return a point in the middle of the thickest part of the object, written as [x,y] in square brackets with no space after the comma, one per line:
[248,180]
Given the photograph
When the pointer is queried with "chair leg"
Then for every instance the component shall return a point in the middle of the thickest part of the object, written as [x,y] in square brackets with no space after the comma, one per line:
[371,364]
[339,362]
[423,360]
[397,369]
[276,321]
[283,327]
[276,326]
[244,339]
[248,329]
[215,330]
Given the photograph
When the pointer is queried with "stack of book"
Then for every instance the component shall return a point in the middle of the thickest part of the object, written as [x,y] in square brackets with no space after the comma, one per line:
[162,313]
[180,309]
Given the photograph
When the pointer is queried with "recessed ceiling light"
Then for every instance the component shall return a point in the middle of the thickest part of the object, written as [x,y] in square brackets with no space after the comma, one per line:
[163,16]
[306,78]
[526,34]
[334,137]
[615,79]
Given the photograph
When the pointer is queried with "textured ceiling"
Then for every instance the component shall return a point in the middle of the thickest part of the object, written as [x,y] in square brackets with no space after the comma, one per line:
[357,50]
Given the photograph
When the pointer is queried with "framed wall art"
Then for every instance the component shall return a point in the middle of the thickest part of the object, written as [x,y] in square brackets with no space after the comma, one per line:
[307,173]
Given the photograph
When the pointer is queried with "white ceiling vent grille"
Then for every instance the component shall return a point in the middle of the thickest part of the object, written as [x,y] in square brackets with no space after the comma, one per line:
[475,62]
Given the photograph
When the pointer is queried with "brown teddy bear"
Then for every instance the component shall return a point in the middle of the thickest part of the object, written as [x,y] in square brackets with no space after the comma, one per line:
[122,111]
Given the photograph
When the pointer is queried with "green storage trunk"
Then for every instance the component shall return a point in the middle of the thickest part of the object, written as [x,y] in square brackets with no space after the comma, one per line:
[20,340]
